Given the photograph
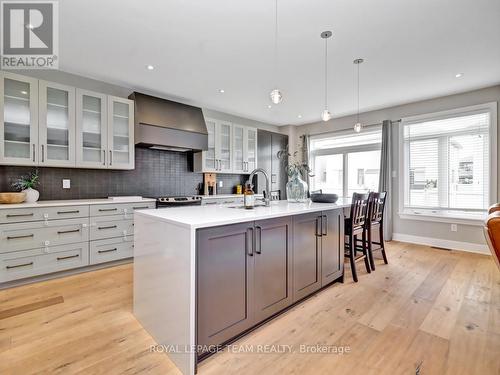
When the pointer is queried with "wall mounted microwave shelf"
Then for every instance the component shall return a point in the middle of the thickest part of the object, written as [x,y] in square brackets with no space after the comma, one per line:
[52,125]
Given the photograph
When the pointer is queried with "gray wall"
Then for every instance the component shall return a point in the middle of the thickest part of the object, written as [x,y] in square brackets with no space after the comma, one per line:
[466,233]
[106,88]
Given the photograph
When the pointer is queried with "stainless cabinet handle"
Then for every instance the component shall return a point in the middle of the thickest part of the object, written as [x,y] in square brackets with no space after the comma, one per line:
[103,157]
[42,153]
[258,229]
[19,265]
[107,251]
[249,248]
[139,207]
[108,227]
[211,203]
[110,157]
[68,212]
[318,232]
[19,215]
[324,226]
[68,231]
[107,209]
[33,152]
[68,257]
[23,236]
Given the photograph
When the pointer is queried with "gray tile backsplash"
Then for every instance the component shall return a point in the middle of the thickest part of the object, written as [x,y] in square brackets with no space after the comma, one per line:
[156,173]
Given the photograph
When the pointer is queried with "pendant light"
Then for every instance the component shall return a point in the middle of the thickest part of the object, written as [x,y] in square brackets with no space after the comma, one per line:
[326,115]
[357,125]
[276,95]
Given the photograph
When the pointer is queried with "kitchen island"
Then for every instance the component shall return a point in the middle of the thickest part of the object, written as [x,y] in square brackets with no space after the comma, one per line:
[204,275]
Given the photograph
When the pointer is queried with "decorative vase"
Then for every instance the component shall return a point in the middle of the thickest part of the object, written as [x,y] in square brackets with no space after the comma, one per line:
[296,189]
[32,195]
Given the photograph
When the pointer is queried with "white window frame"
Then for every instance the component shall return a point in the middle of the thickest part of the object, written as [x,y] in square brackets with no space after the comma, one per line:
[450,217]
[344,151]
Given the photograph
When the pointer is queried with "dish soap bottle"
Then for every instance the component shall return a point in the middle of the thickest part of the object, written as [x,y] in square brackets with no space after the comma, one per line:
[248,196]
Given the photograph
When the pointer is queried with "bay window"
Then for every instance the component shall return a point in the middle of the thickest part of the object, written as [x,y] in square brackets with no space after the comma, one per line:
[345,162]
[448,163]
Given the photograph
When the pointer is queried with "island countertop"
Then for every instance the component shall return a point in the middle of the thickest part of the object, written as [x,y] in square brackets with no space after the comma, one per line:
[195,217]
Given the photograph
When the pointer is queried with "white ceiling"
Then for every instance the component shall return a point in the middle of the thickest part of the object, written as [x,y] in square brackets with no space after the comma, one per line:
[412,51]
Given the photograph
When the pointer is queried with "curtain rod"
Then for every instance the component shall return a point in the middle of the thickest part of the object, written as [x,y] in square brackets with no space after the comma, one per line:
[364,126]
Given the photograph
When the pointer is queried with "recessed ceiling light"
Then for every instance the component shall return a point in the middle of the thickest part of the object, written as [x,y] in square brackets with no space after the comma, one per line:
[299,116]
[458,75]
[24,92]
[150,67]
[222,91]
[269,106]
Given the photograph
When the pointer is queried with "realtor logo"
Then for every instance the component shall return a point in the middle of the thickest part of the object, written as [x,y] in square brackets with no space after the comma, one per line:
[29,37]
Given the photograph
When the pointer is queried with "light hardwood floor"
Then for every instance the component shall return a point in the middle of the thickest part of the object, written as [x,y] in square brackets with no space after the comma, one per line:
[430,309]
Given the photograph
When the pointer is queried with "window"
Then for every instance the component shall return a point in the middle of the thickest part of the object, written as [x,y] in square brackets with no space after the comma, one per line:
[344,163]
[446,163]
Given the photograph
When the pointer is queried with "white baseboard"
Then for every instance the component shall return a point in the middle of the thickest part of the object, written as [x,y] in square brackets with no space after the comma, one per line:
[447,244]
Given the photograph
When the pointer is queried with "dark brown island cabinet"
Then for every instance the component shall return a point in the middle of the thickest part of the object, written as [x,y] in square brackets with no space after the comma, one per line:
[248,272]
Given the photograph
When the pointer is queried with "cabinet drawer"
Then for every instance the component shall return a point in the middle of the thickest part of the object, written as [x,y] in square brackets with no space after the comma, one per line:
[19,215]
[111,226]
[24,236]
[111,249]
[21,264]
[119,208]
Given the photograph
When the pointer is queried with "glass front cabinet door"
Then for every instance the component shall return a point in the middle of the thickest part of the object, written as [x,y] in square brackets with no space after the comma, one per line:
[120,133]
[18,120]
[91,130]
[223,146]
[56,125]
[210,164]
[250,150]
[238,148]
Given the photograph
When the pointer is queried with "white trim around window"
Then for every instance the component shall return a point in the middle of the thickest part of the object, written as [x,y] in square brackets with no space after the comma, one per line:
[444,215]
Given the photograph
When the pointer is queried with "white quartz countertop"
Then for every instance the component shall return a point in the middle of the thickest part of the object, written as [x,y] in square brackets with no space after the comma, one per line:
[77,202]
[209,216]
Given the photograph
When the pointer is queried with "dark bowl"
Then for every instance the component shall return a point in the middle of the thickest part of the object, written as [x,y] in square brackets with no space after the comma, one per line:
[324,198]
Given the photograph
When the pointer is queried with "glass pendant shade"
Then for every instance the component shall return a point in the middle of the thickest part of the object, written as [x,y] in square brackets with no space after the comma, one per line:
[357,127]
[276,96]
[326,115]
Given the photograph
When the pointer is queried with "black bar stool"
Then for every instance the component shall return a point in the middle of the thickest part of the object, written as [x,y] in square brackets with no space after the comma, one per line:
[353,227]
[376,205]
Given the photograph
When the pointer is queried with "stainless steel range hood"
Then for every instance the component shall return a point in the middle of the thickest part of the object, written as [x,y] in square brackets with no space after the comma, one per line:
[166,125]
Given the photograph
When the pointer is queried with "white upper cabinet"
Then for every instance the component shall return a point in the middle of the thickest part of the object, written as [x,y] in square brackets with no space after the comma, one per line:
[91,129]
[120,133]
[232,148]
[52,125]
[244,149]
[250,149]
[238,149]
[223,140]
[218,157]
[56,127]
[18,120]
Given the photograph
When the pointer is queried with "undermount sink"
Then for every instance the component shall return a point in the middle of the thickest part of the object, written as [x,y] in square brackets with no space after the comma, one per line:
[256,206]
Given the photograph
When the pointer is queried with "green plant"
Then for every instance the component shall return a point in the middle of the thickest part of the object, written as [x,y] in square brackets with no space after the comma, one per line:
[28,181]
[294,166]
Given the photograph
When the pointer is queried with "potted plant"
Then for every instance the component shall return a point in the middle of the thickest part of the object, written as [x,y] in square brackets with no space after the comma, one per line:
[27,184]
[296,187]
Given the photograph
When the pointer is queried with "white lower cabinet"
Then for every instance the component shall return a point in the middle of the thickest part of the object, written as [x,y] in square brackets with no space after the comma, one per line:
[111,249]
[41,240]
[34,262]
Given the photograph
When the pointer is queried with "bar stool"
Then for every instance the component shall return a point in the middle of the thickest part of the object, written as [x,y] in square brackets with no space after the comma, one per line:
[376,205]
[353,227]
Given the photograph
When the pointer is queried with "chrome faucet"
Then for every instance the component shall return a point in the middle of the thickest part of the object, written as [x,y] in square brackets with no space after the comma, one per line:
[267,192]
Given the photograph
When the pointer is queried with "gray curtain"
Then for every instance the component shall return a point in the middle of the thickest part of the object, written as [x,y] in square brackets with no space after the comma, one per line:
[305,156]
[385,180]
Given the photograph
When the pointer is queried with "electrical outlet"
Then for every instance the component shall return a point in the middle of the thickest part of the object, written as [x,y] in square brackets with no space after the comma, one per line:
[454,227]
[221,184]
[66,184]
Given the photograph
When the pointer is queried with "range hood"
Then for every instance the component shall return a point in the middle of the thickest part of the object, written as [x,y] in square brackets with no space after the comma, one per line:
[166,125]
